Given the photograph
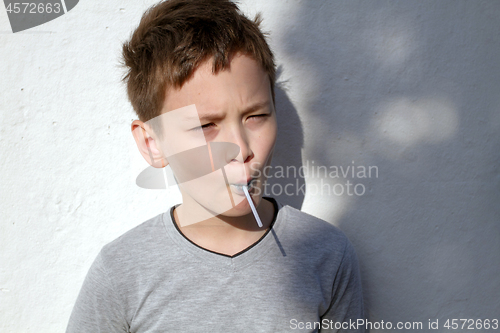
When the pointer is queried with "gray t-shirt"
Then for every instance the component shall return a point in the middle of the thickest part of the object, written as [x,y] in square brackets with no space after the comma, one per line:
[302,275]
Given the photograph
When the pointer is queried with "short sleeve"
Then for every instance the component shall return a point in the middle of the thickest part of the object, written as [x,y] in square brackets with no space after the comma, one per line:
[98,307]
[347,298]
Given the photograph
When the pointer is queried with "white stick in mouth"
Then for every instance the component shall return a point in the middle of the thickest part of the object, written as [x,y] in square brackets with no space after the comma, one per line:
[254,211]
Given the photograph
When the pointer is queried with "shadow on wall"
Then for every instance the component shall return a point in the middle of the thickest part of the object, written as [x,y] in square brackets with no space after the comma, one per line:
[287,152]
[411,88]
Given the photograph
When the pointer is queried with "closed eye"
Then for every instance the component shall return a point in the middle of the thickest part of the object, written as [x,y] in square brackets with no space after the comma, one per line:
[260,115]
[257,118]
[203,127]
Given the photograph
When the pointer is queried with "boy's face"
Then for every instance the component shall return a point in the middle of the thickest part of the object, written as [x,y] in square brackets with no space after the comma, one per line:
[233,107]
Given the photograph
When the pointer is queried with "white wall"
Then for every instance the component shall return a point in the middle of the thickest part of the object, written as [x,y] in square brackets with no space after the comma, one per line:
[412,88]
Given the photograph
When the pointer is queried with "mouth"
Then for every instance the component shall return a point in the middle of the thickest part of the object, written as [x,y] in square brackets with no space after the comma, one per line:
[238,187]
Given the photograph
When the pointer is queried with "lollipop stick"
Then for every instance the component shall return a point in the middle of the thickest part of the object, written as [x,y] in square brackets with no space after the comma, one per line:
[254,211]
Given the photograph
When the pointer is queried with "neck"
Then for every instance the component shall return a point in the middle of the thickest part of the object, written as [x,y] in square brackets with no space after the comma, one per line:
[225,234]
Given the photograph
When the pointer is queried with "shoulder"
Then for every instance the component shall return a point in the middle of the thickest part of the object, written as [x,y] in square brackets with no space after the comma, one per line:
[317,247]
[308,226]
[139,242]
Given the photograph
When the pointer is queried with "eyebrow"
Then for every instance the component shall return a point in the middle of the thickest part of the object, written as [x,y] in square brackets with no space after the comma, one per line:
[217,116]
[257,106]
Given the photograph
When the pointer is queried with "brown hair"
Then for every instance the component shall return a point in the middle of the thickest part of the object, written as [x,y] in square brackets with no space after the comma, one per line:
[174,37]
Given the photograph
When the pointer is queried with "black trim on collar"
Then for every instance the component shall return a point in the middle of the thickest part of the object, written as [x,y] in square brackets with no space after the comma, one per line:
[275,205]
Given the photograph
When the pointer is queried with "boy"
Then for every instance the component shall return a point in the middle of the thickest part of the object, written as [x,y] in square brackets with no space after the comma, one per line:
[201,79]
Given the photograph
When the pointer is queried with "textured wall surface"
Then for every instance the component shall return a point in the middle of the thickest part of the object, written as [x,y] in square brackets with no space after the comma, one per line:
[411,89]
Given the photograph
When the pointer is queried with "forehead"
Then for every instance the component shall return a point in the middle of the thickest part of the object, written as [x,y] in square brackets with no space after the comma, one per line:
[242,83]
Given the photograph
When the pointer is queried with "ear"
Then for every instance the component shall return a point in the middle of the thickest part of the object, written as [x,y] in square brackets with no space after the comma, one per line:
[148,147]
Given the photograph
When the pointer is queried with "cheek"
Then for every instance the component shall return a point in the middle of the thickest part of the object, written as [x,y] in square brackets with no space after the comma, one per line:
[266,140]
[272,132]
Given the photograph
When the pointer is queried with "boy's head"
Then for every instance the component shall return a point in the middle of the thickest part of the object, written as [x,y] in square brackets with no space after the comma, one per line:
[201,79]
[174,37]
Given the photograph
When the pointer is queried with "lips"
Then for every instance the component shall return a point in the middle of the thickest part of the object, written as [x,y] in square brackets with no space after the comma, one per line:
[237,187]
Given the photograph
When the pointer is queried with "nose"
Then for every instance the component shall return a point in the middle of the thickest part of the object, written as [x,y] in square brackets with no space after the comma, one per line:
[239,137]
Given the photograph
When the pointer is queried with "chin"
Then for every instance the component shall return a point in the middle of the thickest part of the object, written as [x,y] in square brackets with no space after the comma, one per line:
[242,208]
